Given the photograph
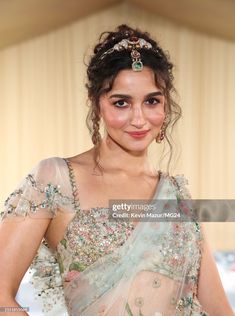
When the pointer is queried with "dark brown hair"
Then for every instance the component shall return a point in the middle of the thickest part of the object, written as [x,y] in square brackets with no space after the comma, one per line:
[101,73]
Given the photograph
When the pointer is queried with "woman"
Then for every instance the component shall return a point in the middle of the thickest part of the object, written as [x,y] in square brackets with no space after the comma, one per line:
[88,263]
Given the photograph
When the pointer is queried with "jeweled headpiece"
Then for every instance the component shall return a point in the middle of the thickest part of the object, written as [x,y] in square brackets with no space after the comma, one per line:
[132,44]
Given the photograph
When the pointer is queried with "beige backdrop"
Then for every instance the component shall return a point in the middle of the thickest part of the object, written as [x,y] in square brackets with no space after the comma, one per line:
[43,103]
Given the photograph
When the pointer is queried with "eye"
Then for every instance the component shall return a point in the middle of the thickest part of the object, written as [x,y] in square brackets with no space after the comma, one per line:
[152,101]
[120,103]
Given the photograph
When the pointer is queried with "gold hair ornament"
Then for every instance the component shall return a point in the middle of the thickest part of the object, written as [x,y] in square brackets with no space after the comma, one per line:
[132,44]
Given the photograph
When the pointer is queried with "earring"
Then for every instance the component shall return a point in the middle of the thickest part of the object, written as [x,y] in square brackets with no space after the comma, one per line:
[161,134]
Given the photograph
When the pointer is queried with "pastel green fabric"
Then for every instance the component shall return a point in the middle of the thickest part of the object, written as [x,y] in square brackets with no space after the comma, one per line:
[103,267]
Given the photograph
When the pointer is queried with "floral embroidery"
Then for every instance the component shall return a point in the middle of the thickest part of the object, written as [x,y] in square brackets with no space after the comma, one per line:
[77,266]
[32,197]
[71,275]
[46,278]
[91,236]
[190,305]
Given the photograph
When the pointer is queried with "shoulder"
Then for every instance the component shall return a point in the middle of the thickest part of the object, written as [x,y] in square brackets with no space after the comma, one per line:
[82,164]
[51,162]
[52,170]
[85,159]
[49,167]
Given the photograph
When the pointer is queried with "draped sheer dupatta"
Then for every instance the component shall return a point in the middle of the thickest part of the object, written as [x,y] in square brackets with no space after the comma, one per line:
[154,273]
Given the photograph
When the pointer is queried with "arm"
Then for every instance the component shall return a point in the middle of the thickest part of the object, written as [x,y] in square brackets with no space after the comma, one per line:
[210,290]
[19,242]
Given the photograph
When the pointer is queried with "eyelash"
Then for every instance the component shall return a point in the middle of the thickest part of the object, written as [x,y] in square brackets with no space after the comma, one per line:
[156,101]
[119,106]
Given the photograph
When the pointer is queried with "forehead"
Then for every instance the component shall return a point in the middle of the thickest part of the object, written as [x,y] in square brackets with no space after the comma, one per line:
[135,80]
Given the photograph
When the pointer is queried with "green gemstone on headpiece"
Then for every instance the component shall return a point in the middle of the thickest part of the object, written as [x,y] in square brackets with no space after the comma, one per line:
[137,65]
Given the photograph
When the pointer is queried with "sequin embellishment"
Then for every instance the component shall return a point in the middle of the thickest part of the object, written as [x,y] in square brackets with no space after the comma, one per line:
[156,283]
[33,197]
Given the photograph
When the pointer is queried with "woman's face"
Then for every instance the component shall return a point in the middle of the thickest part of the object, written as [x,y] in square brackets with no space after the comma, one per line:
[133,110]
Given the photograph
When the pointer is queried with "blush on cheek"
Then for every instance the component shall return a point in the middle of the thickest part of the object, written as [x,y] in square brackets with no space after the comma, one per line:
[115,120]
[157,119]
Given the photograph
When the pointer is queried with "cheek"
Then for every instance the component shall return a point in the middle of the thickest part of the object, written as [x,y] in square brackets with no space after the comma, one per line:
[114,119]
[156,118]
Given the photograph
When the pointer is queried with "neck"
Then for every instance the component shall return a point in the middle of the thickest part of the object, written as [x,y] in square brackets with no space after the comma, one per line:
[115,157]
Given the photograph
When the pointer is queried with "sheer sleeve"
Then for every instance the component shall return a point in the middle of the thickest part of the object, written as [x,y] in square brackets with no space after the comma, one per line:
[41,192]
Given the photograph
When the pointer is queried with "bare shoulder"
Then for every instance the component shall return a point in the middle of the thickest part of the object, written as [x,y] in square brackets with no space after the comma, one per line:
[84,159]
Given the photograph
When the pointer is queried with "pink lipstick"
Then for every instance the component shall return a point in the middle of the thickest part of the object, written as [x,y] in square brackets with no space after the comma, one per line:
[139,134]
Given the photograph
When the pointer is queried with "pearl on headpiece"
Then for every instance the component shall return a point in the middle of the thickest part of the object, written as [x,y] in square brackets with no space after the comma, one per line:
[133,44]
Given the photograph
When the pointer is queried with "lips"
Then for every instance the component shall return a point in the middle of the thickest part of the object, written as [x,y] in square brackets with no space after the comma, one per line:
[138,134]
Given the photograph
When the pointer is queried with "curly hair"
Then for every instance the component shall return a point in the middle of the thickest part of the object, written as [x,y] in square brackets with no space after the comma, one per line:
[101,73]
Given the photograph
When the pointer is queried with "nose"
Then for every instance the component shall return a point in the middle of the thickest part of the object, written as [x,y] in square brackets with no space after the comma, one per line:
[137,117]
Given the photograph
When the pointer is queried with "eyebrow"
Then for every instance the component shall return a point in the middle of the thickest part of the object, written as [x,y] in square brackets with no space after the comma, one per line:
[126,96]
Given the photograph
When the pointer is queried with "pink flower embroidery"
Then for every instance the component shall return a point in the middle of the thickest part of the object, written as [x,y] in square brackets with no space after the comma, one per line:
[71,275]
[185,207]
[176,228]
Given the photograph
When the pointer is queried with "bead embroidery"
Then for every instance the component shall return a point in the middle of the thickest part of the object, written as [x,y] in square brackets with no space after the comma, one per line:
[90,235]
[156,283]
[73,185]
[49,195]
[87,239]
[46,278]
[139,301]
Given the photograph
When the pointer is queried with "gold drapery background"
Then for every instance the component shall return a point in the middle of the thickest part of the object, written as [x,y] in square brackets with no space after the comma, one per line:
[43,103]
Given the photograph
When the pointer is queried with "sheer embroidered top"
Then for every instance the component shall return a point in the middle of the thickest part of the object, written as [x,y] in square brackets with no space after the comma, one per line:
[103,267]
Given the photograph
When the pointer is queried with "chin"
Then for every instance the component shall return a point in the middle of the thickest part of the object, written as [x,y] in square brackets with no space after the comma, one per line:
[138,145]
[135,147]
